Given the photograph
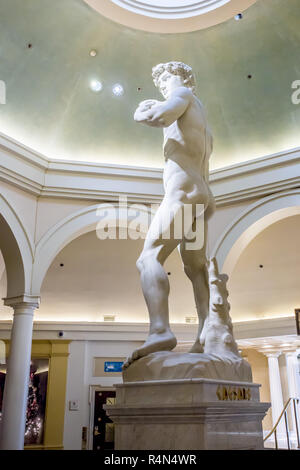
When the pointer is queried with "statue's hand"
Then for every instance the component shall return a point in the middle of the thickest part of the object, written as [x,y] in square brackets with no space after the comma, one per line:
[144,111]
[147,104]
[141,116]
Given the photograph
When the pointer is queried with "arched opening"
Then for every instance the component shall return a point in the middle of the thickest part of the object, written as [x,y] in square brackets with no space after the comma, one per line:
[84,221]
[6,312]
[250,223]
[17,252]
[251,232]
[90,280]
[265,280]
[11,261]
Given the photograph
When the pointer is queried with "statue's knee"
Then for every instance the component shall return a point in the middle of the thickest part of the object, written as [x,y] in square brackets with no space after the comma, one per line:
[139,264]
[142,261]
[194,267]
[147,259]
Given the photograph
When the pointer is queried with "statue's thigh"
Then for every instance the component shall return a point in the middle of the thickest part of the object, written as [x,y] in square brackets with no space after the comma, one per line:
[160,238]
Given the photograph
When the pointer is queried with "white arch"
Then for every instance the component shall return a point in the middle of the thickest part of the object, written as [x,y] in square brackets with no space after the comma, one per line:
[252,221]
[17,250]
[71,227]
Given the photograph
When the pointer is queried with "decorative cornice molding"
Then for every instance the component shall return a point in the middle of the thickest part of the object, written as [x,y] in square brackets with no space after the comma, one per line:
[169,16]
[256,178]
[34,173]
[269,161]
[170,8]
[264,328]
[247,333]
[271,354]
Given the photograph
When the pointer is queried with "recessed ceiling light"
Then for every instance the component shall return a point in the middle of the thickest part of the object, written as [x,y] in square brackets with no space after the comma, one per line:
[109,318]
[238,17]
[117,89]
[93,53]
[96,86]
[190,319]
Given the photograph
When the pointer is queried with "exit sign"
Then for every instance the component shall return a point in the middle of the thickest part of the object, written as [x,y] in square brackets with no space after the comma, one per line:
[113,366]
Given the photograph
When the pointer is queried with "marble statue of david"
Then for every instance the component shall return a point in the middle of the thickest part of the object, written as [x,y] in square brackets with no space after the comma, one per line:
[188,146]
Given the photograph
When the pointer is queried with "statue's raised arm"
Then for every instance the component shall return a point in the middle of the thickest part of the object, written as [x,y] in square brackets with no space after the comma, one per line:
[163,114]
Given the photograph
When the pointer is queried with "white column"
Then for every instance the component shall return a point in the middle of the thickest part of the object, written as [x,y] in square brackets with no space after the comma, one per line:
[292,373]
[275,390]
[293,383]
[18,369]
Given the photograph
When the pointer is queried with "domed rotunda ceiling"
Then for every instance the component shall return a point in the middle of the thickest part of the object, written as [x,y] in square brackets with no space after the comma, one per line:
[74,77]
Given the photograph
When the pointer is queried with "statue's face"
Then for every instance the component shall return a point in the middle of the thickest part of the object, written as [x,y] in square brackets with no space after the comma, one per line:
[168,82]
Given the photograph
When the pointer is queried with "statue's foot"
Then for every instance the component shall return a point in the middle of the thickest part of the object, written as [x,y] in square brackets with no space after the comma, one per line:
[164,341]
[197,347]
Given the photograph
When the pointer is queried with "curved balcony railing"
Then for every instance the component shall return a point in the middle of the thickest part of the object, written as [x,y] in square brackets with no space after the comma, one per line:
[291,403]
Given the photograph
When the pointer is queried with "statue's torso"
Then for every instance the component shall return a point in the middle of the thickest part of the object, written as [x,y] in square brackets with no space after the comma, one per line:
[190,136]
[187,148]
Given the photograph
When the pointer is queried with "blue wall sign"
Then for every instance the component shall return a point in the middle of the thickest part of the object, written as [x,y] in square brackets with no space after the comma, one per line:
[110,366]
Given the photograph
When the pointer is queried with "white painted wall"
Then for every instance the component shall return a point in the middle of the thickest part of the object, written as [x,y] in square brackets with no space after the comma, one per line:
[80,377]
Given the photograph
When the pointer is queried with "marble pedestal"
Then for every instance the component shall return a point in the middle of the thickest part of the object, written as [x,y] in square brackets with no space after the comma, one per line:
[188,414]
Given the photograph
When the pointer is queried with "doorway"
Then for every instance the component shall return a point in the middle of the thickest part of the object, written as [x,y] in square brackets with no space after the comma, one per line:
[101,435]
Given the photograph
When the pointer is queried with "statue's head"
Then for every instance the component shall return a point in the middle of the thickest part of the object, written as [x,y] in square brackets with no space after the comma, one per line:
[172,75]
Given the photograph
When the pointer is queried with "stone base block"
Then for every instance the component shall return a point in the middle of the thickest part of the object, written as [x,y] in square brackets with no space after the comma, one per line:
[172,365]
[188,414]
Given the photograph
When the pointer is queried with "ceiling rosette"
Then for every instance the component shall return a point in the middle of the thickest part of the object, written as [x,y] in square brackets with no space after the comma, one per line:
[169,16]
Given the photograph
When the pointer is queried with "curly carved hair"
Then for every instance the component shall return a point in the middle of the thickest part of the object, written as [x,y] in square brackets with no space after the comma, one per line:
[176,68]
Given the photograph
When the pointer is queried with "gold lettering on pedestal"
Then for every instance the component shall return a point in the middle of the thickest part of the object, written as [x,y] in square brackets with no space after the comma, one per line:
[233,393]
[240,394]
